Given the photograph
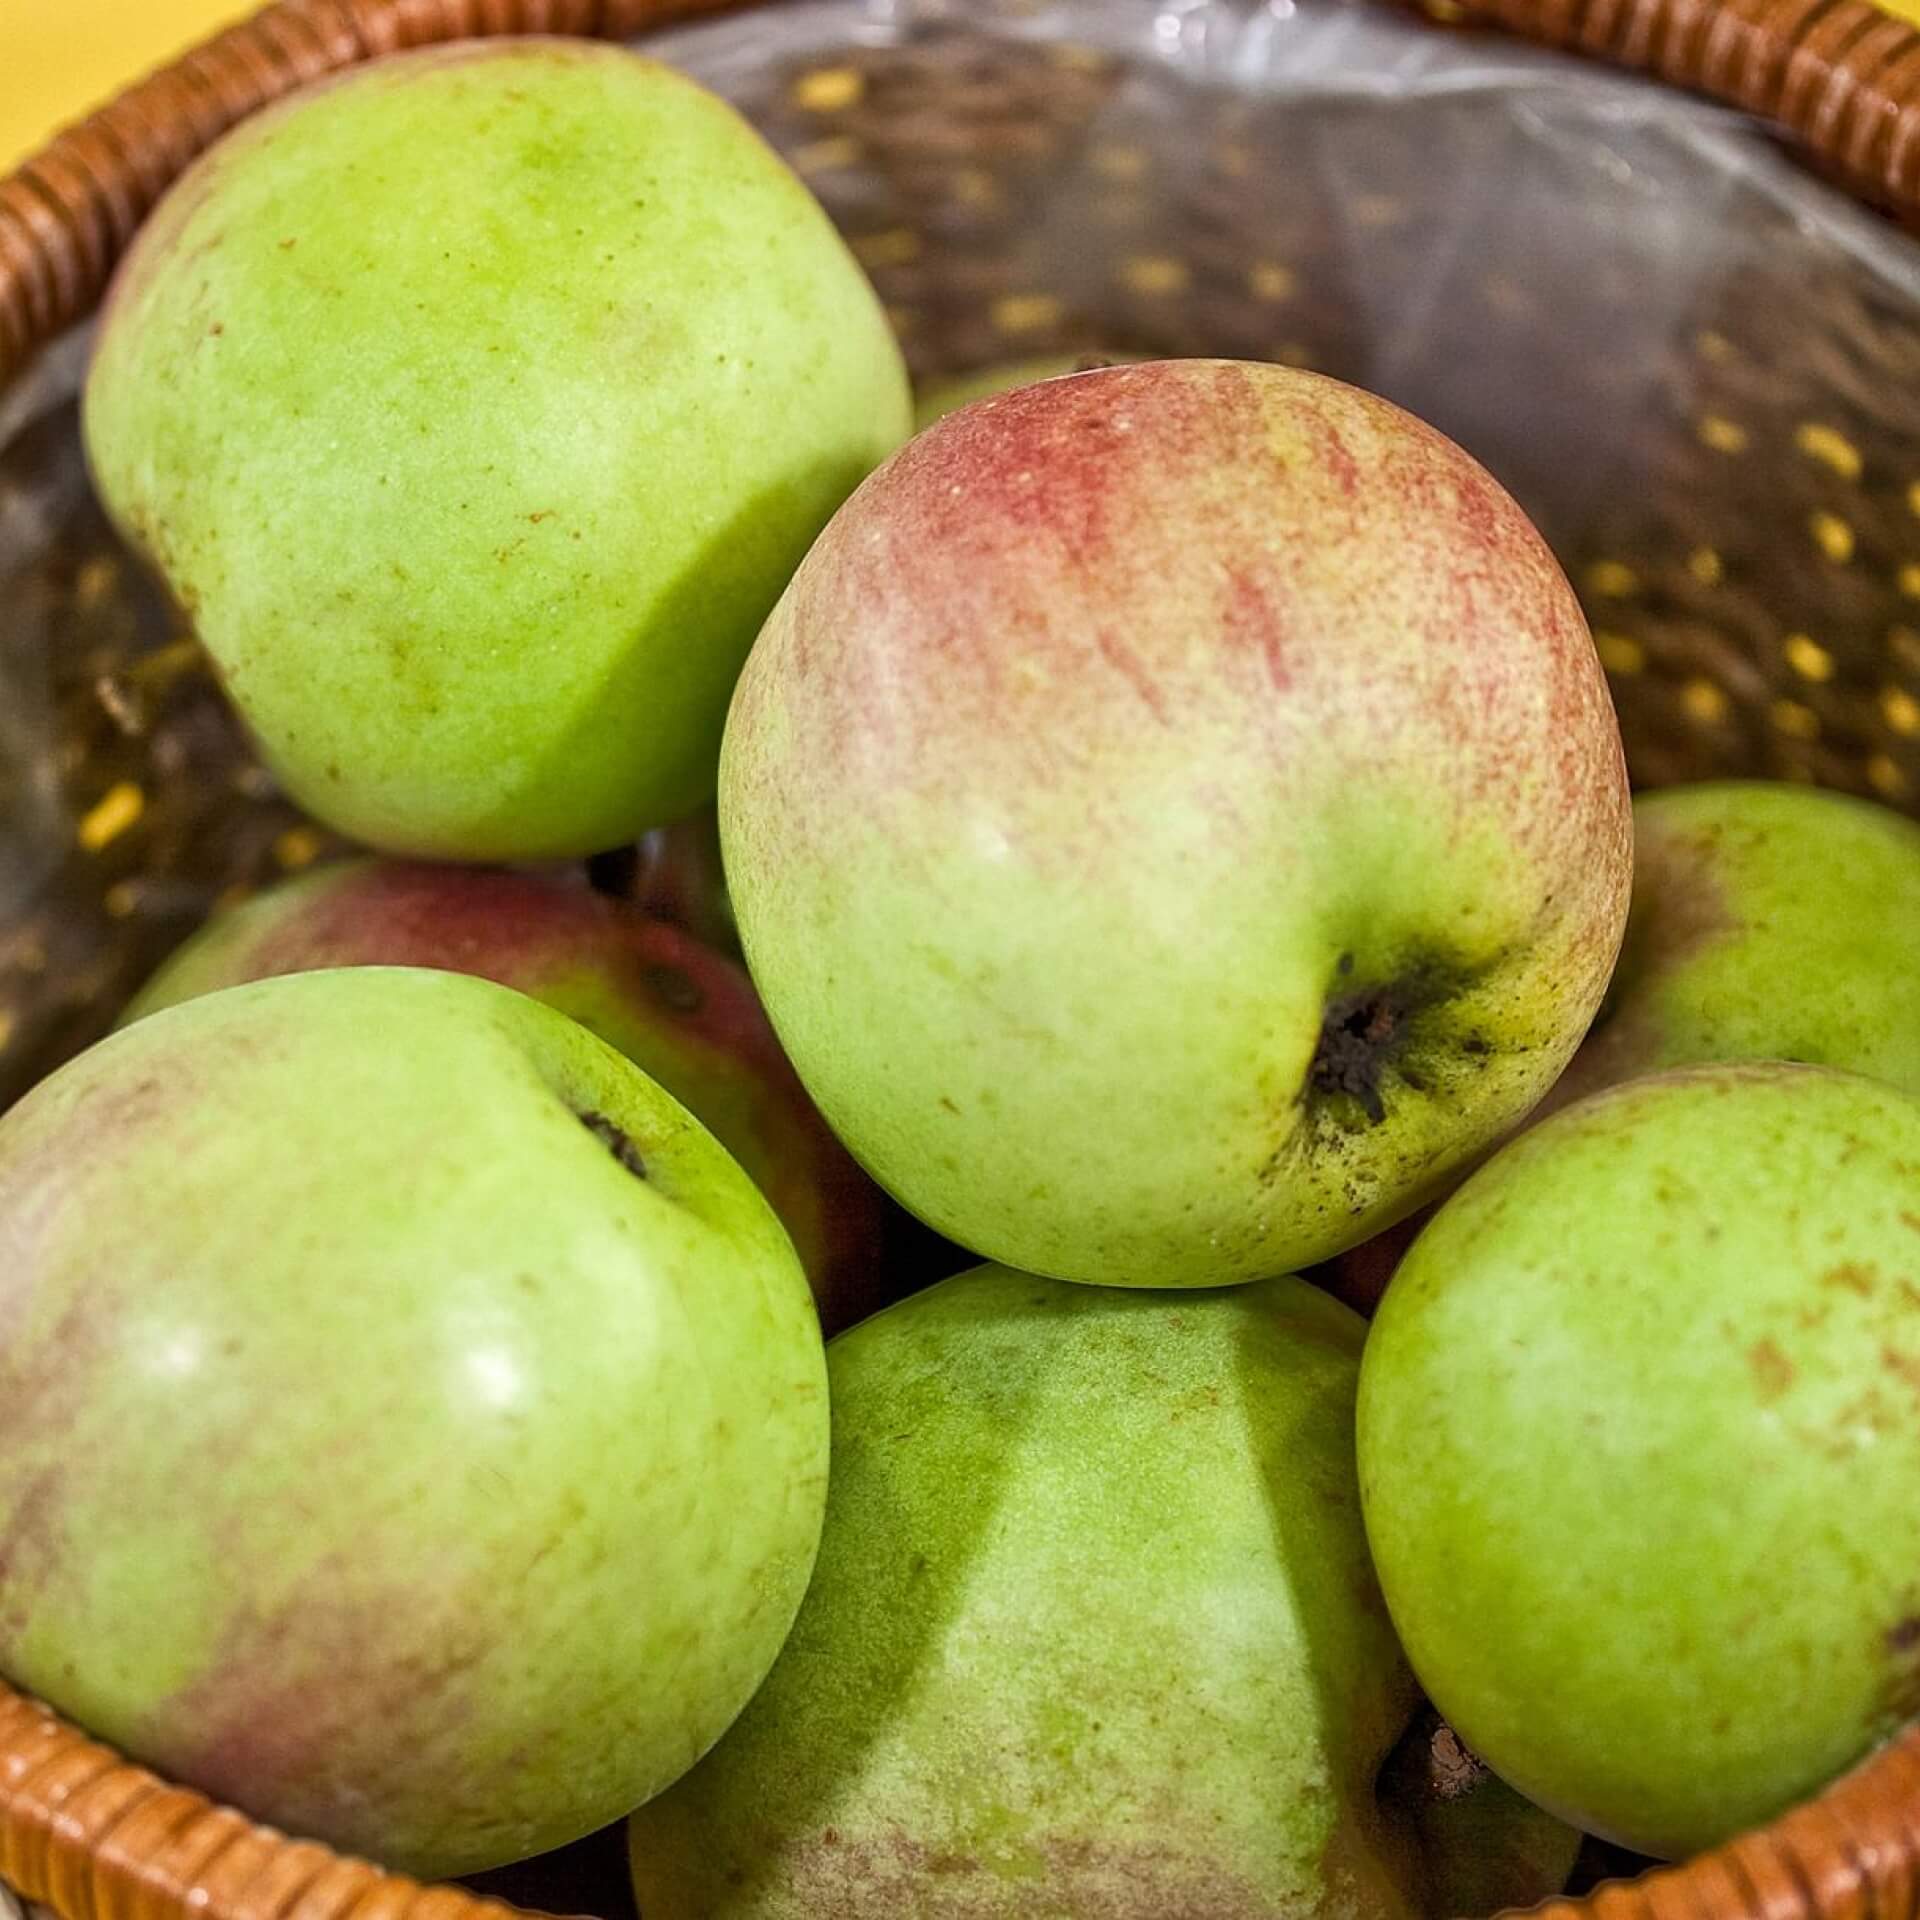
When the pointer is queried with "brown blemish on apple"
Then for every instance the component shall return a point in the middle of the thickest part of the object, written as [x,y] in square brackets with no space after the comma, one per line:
[1773,1372]
[1853,1276]
[1116,1876]
[1905,1367]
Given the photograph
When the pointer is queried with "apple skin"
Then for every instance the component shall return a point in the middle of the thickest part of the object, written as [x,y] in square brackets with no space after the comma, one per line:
[477,404]
[1769,922]
[378,1452]
[938,398]
[1639,1452]
[1179,745]
[683,1014]
[1093,1631]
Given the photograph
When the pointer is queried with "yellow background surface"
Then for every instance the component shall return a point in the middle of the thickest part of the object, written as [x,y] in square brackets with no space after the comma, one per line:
[58,58]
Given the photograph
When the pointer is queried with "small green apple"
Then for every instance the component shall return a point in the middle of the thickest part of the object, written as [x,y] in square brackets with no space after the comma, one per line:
[413,1423]
[1640,1451]
[477,404]
[1093,1631]
[938,398]
[683,1014]
[1769,922]
[1174,817]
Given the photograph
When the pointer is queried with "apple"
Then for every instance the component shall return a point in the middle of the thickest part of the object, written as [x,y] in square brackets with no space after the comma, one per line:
[476,405]
[940,397]
[414,1426]
[1092,1632]
[1174,817]
[1769,922]
[1639,1453]
[684,1014]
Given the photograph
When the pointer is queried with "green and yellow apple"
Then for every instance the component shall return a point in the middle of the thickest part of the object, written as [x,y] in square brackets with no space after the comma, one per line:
[413,1426]
[476,405]
[1093,1632]
[1769,922]
[1639,1439]
[1175,816]
[682,1013]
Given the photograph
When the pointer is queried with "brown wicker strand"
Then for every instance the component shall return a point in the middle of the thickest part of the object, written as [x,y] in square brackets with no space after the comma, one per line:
[1848,1855]
[98,1839]
[1839,73]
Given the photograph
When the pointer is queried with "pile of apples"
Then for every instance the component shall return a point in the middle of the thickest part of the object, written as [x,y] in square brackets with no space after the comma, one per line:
[1177,829]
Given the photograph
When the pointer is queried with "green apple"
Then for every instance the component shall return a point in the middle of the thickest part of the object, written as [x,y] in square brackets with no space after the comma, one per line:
[1639,1448]
[1769,922]
[685,1015]
[413,1425]
[1093,1631]
[1174,817]
[476,405]
[938,398]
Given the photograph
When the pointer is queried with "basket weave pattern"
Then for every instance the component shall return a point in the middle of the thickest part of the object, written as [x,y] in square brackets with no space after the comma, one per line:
[98,1839]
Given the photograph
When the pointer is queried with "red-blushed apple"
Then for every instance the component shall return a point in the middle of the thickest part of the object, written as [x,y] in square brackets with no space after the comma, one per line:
[1175,817]
[685,1014]
[414,1426]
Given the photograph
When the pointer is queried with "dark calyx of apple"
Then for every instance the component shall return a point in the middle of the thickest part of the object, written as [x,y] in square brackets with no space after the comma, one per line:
[616,1141]
[1378,1031]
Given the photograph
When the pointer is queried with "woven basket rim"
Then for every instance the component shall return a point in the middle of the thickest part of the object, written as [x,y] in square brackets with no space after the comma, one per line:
[96,1838]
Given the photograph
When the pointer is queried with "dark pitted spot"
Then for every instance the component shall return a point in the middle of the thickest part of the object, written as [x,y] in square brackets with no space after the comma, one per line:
[1359,1035]
[616,1142]
[676,990]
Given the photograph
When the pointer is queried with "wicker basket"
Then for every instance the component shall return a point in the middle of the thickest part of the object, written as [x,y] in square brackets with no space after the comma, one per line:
[1748,592]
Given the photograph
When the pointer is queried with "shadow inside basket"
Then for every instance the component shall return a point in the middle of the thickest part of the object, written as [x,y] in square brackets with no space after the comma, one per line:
[1696,367]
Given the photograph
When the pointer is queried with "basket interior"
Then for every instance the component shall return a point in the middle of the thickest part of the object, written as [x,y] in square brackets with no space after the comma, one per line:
[1696,365]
